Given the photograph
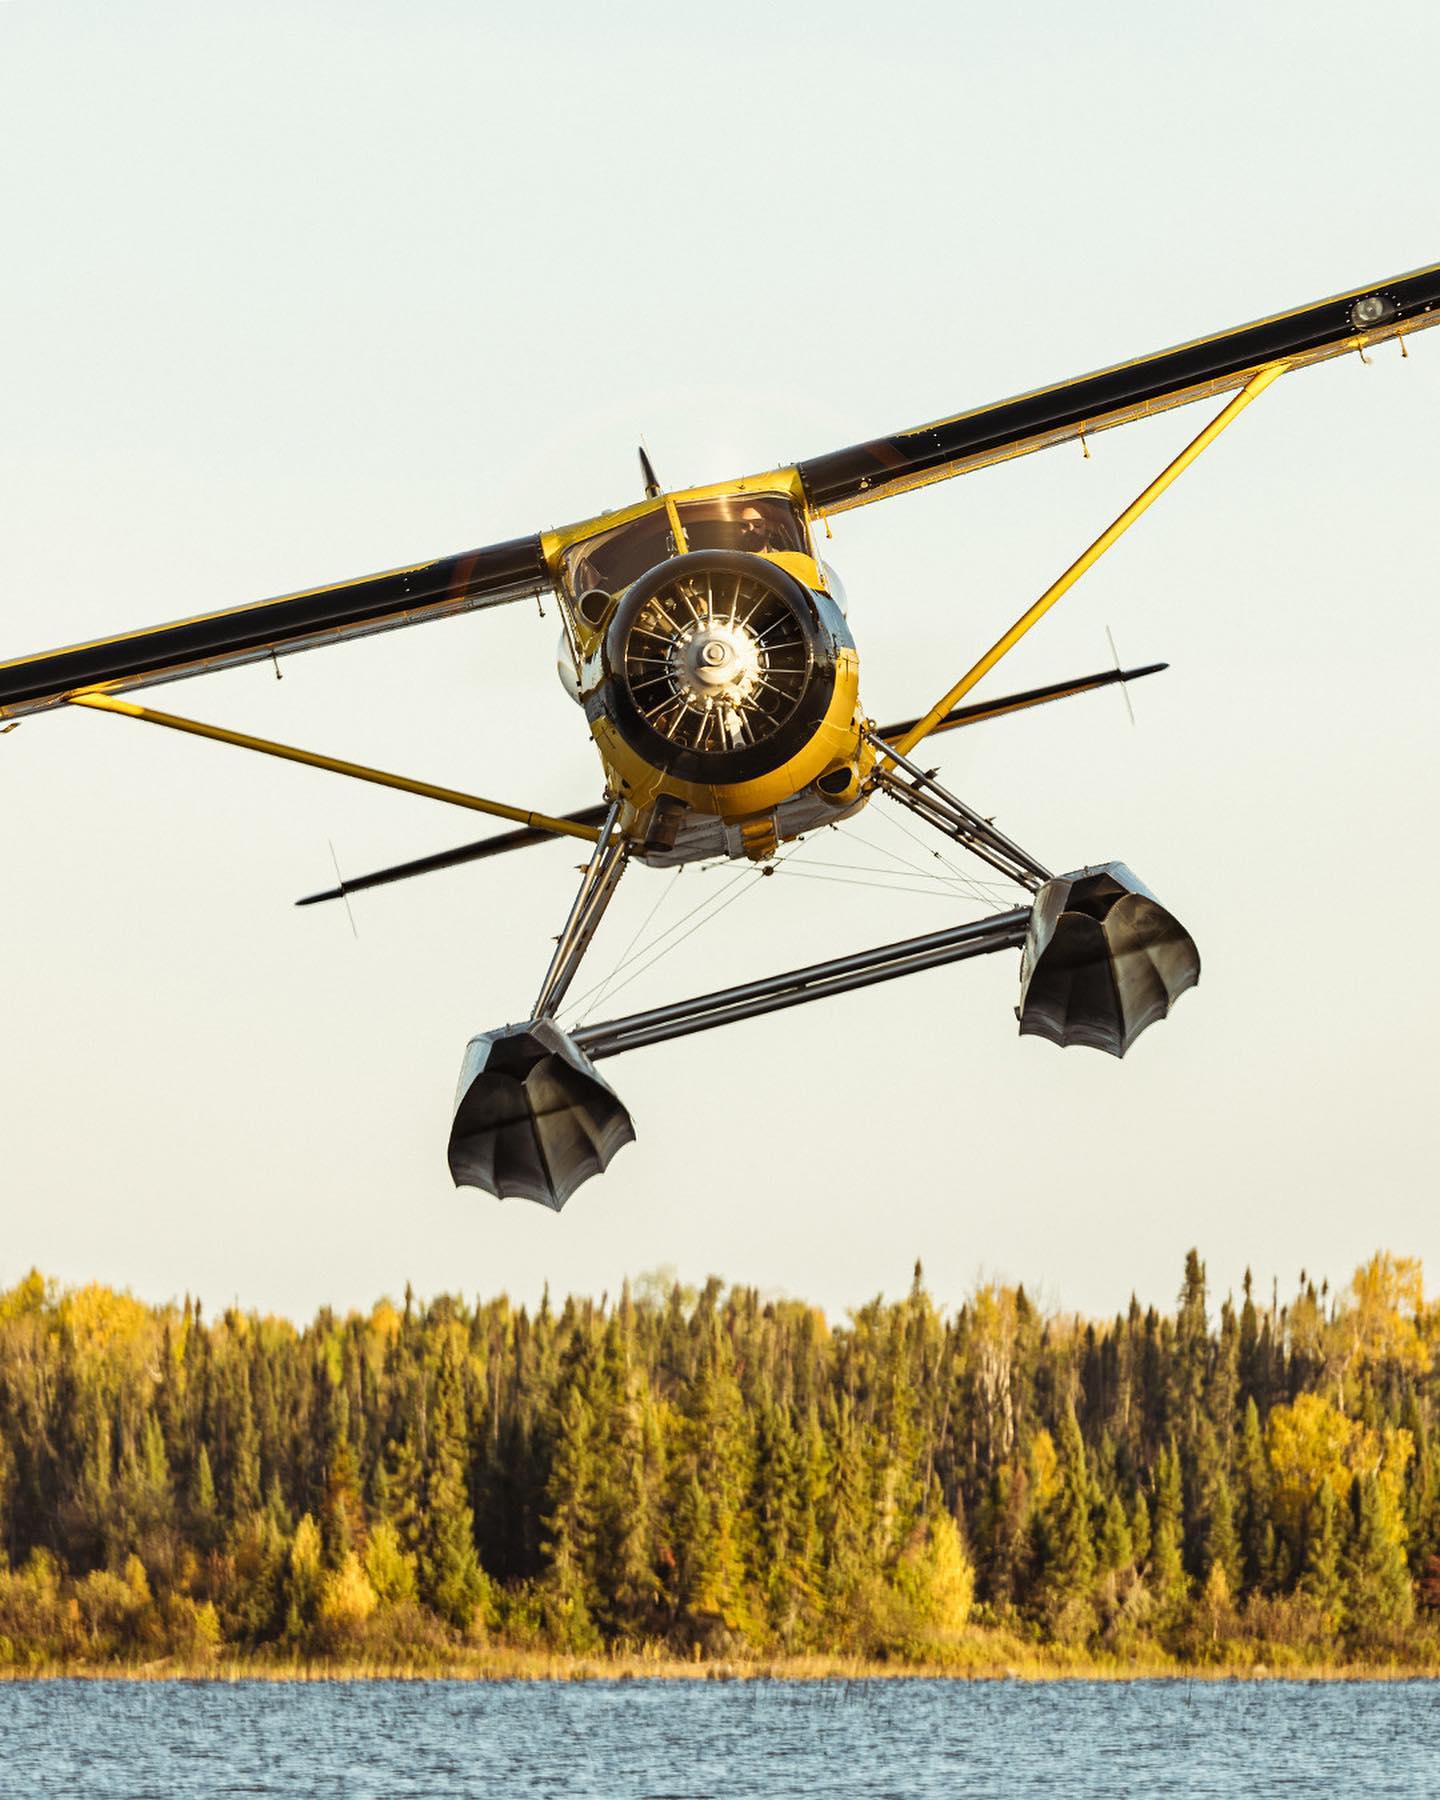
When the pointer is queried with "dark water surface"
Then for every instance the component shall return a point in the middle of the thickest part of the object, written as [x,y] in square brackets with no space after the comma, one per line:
[691,1738]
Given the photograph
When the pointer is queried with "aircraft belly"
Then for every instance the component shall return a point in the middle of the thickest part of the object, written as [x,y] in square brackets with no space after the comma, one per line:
[702,837]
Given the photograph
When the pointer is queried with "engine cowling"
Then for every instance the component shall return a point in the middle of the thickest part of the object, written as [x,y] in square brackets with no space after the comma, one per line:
[720,666]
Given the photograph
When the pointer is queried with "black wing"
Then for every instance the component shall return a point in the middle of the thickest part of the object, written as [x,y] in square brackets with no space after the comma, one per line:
[326,615]
[1132,390]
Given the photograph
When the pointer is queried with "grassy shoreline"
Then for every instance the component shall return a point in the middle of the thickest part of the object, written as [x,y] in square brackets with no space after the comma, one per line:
[503,1665]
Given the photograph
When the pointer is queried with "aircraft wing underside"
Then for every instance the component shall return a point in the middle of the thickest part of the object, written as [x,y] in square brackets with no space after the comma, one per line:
[864,472]
[303,621]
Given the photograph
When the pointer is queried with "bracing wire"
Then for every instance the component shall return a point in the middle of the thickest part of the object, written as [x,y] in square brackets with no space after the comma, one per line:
[726,897]
[955,881]
[632,956]
[666,889]
[977,886]
[895,856]
[881,887]
[901,874]
[907,878]
[966,880]
[955,884]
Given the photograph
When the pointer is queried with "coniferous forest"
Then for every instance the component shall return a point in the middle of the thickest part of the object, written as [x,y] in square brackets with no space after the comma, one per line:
[710,1475]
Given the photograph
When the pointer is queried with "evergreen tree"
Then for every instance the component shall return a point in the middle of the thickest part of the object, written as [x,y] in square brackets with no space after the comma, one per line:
[1421,1494]
[1005,1533]
[1192,1350]
[572,1519]
[1222,1396]
[1140,1534]
[342,1513]
[255,1605]
[1253,1495]
[1321,1578]
[784,1524]
[714,1471]
[203,1521]
[843,1515]
[1378,1595]
[1249,1372]
[1117,1545]
[244,1491]
[451,1579]
[1067,1558]
[628,1493]
[719,1456]
[1222,1544]
[1168,1581]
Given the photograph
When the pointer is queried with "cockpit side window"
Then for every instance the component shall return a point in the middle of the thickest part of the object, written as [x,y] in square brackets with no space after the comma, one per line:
[613,559]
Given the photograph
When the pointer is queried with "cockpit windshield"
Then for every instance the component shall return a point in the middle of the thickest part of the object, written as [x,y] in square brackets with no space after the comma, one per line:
[613,559]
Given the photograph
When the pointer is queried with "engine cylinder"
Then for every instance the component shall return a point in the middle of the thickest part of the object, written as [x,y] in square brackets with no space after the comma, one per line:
[720,666]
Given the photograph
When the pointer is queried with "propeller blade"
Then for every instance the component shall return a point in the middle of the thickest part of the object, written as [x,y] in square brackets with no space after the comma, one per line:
[1115,658]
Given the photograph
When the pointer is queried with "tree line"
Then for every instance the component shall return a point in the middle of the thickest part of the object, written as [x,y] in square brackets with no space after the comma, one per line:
[721,1474]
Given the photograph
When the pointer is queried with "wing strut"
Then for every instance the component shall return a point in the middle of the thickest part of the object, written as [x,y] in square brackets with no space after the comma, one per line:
[1003,645]
[594,815]
[358,771]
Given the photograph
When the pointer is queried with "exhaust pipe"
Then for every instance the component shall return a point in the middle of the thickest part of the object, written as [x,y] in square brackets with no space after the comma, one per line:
[533,1119]
[1102,960]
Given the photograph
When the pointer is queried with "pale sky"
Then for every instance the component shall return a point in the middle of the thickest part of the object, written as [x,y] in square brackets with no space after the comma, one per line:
[297,292]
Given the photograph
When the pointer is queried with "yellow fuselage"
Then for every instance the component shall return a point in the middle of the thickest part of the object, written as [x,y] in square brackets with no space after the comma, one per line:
[826,769]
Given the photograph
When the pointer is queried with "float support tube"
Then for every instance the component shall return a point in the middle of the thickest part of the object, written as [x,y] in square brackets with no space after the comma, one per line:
[597,886]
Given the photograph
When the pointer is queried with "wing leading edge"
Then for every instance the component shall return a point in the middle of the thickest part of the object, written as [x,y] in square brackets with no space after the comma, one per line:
[303,621]
[1212,365]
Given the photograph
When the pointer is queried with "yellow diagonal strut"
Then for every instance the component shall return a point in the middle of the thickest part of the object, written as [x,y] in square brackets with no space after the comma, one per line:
[1002,646]
[358,771]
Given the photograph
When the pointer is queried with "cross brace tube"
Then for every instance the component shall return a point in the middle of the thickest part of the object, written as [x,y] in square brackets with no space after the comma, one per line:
[924,795]
[774,993]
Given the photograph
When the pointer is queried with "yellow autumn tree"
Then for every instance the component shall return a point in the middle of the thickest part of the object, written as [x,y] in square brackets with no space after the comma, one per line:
[1381,1322]
[931,1588]
[1044,1469]
[385,1322]
[347,1599]
[1308,1442]
[1311,1443]
[27,1297]
[112,1333]
[389,1566]
[303,1579]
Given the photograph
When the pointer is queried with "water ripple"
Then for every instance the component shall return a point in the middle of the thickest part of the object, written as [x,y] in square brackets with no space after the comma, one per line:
[693,1740]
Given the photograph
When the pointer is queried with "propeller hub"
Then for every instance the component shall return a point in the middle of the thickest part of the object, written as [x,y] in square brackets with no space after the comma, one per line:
[716,663]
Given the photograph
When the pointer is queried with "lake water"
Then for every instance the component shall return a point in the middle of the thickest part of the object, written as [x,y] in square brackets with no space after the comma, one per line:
[693,1738]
